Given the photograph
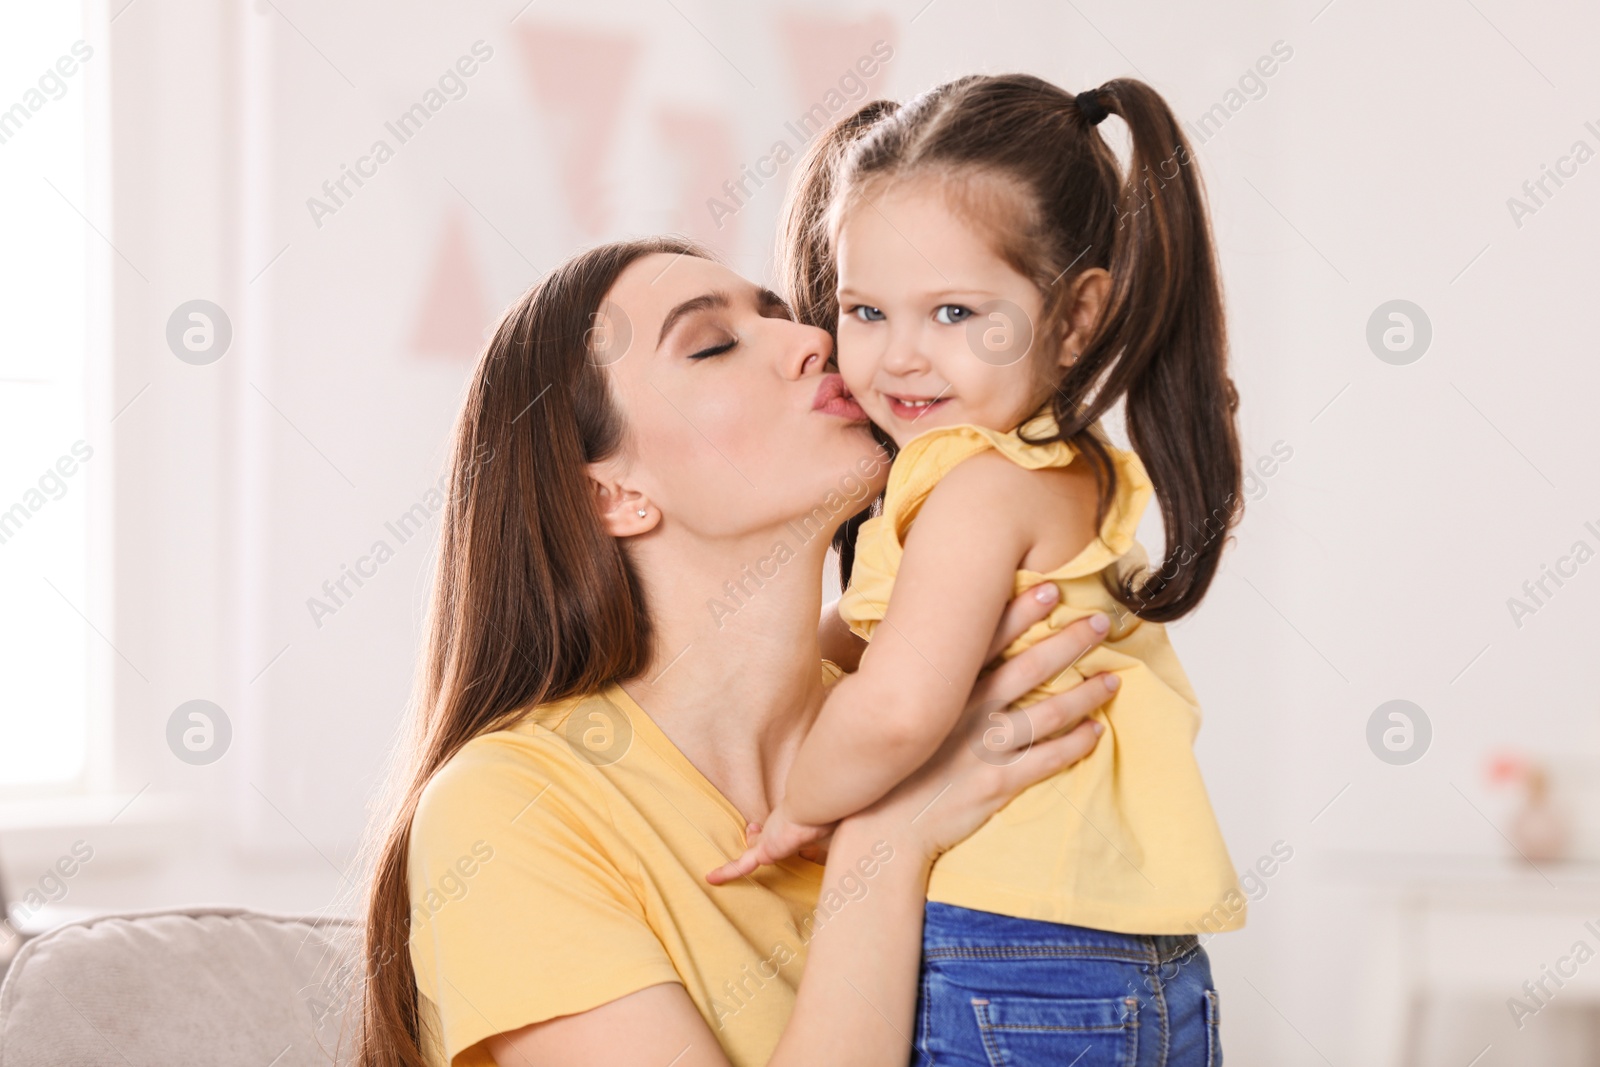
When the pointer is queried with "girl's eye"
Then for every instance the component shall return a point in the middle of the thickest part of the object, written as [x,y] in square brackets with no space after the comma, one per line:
[716,350]
[951,314]
[867,313]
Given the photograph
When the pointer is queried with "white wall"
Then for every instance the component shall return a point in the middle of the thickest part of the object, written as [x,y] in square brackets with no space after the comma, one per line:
[1375,566]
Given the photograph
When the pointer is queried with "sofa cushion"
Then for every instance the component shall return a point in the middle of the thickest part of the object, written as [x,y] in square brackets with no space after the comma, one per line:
[197,985]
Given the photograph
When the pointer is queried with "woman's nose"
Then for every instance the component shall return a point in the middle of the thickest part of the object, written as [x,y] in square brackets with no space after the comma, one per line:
[809,352]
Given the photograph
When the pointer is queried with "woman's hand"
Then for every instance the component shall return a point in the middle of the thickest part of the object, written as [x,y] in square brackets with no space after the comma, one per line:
[996,752]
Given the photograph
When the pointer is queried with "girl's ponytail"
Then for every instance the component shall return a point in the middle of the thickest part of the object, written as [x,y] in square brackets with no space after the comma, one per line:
[1161,343]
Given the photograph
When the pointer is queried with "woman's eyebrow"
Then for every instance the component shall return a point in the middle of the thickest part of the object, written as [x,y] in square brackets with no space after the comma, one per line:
[770,303]
[715,299]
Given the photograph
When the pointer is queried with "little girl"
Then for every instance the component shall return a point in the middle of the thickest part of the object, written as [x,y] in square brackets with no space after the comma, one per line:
[1000,287]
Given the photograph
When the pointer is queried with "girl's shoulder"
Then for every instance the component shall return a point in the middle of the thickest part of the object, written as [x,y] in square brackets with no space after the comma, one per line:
[1003,472]
[938,451]
[1025,479]
[1049,509]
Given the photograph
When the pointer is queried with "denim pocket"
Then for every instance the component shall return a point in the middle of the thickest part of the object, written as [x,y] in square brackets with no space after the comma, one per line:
[1022,1031]
[1213,1030]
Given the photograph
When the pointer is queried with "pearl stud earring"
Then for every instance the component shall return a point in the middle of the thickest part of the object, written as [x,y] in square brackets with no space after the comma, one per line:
[643,512]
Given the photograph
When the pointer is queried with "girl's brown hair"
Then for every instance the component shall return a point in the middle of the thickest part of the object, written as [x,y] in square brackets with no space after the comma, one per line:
[1160,345]
[805,265]
[533,601]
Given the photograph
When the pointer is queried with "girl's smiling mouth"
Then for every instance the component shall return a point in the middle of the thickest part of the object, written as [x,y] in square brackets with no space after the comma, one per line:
[912,408]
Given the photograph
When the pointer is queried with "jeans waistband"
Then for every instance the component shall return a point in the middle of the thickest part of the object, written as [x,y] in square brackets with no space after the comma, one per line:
[950,931]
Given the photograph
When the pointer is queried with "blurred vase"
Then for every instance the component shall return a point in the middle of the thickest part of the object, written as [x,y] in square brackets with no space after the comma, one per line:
[1540,830]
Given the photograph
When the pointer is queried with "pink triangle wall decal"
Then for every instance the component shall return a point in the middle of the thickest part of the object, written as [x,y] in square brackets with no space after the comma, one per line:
[823,49]
[454,313]
[578,78]
[703,143]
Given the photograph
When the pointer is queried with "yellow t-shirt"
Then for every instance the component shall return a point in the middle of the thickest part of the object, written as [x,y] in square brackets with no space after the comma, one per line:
[1125,840]
[560,864]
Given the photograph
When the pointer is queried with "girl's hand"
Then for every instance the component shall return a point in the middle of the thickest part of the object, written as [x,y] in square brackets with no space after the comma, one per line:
[996,752]
[778,838]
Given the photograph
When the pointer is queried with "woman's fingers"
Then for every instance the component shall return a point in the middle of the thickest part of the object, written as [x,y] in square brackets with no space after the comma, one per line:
[1016,676]
[1004,736]
[1021,613]
[1065,710]
[994,756]
[1045,758]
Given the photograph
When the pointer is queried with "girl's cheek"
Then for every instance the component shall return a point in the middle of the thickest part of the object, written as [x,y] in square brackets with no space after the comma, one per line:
[855,365]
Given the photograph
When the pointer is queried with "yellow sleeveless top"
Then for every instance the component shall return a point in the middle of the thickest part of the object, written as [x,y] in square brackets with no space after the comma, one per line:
[1125,840]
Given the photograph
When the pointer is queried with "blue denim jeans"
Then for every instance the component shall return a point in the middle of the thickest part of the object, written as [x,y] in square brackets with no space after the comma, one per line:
[1016,992]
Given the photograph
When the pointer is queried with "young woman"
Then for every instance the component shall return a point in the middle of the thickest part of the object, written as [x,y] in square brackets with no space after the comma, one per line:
[623,659]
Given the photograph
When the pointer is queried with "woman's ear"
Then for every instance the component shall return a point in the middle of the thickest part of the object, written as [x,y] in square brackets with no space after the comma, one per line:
[624,511]
[1088,300]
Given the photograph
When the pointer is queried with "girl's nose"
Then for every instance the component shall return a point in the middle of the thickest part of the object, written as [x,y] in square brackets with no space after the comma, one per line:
[903,354]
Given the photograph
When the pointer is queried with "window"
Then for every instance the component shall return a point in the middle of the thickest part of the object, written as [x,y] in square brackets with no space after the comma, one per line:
[47,450]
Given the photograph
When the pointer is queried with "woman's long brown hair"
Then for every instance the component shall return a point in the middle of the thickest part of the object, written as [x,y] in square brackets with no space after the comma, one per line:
[1160,344]
[532,600]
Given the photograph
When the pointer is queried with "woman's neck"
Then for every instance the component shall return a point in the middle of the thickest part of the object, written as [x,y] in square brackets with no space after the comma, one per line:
[736,678]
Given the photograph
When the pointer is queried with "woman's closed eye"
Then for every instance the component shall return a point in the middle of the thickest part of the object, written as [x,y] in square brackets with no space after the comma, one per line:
[952,314]
[714,350]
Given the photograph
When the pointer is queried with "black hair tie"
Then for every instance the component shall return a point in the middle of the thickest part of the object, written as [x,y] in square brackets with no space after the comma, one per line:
[1090,107]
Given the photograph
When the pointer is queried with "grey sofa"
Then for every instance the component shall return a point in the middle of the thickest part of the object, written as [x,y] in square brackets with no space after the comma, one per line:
[192,986]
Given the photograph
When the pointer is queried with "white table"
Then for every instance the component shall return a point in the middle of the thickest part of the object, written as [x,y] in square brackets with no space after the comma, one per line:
[1477,929]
